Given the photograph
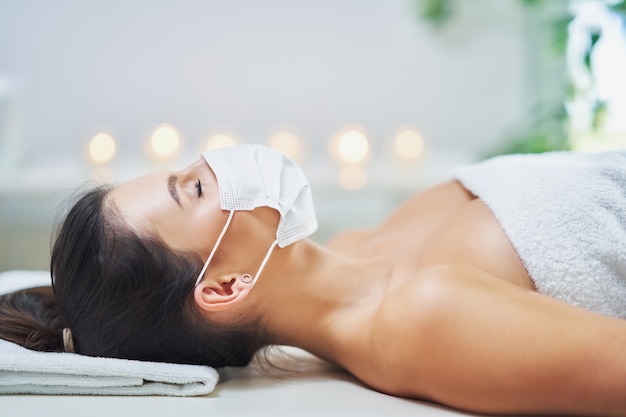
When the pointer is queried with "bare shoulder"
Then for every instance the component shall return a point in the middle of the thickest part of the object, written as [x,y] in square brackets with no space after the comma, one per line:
[423,210]
[409,324]
[436,291]
[441,199]
[462,337]
[349,242]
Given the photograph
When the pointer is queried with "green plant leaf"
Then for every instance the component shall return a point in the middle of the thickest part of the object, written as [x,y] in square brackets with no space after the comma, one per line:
[531,3]
[559,33]
[619,7]
[600,110]
[594,36]
[587,58]
[435,11]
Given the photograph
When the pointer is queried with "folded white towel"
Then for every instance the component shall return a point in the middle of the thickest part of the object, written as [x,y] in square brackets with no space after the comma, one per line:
[23,371]
[18,280]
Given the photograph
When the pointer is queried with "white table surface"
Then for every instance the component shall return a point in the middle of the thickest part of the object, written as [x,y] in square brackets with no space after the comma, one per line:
[331,393]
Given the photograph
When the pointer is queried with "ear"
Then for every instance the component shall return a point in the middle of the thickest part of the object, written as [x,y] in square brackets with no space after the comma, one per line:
[220,294]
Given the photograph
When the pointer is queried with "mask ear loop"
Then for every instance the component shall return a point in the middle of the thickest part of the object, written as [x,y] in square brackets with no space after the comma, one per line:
[217,243]
[267,257]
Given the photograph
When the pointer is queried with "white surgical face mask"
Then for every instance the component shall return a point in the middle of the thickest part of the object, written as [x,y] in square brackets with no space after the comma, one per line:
[251,176]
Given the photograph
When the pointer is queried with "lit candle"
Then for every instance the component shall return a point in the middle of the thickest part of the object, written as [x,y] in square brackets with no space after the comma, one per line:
[101,148]
[165,141]
[408,143]
[221,140]
[288,143]
[350,145]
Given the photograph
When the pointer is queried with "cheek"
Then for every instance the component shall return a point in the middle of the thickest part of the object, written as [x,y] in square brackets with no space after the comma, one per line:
[197,232]
[173,232]
[207,220]
[200,237]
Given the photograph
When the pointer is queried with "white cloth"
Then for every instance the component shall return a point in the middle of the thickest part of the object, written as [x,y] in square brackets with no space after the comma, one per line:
[565,214]
[23,371]
[18,280]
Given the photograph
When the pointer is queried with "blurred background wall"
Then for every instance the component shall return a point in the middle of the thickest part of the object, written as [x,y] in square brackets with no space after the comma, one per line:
[247,71]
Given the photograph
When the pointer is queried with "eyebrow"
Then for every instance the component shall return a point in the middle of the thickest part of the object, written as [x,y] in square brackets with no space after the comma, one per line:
[171,187]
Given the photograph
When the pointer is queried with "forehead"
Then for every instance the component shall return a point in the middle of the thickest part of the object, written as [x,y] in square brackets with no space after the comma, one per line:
[142,199]
[143,185]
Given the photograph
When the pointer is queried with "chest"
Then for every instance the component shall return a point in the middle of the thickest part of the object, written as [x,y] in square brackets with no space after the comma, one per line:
[447,225]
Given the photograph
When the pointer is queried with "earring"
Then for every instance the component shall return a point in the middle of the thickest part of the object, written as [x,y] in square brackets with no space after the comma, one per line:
[246,278]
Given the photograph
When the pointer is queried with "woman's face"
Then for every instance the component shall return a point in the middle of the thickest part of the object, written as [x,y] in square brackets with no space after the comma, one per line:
[181,207]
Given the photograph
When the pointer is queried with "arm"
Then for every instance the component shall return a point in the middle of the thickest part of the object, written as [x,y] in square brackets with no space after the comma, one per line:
[473,341]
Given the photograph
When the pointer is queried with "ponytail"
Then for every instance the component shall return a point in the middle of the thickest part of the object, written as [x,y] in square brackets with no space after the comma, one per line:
[32,318]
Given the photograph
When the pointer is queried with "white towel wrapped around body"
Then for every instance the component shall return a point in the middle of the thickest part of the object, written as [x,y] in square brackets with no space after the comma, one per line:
[23,371]
[565,214]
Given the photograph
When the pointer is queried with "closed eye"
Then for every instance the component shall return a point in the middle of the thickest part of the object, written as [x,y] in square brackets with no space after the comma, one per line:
[199,188]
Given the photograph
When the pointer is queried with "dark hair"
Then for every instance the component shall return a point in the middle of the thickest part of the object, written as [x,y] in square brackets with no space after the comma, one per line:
[32,318]
[130,296]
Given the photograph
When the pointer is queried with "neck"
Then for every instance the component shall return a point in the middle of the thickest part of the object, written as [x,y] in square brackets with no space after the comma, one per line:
[312,298]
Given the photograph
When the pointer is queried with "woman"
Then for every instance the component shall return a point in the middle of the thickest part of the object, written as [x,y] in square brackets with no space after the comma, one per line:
[209,264]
